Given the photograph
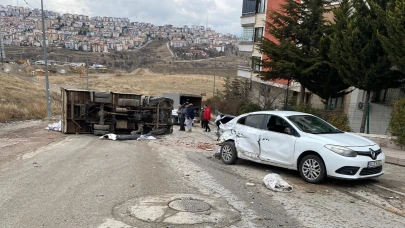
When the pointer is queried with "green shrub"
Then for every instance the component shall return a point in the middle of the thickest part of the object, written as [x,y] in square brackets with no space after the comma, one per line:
[303,107]
[397,122]
[249,107]
[338,119]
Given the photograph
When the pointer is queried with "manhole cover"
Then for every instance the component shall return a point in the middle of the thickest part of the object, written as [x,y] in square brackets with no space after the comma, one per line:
[189,205]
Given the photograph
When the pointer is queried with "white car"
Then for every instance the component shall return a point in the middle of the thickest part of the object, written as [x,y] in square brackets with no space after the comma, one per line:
[302,142]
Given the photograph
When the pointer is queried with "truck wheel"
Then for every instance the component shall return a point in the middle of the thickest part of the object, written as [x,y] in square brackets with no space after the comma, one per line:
[102,100]
[100,132]
[101,127]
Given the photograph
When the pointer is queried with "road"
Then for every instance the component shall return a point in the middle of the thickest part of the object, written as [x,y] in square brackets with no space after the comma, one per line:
[83,181]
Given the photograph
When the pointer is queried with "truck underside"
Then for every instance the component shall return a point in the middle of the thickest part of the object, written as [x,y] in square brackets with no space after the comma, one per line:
[101,113]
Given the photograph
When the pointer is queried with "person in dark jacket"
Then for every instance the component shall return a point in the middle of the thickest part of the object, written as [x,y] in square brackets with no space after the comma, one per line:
[190,117]
[202,122]
[182,116]
[207,118]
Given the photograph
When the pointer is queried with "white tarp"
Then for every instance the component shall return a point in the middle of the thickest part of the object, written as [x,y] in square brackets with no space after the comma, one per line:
[143,137]
[127,137]
[276,183]
[109,136]
[55,126]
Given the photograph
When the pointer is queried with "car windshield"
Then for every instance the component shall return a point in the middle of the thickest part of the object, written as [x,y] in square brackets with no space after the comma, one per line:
[313,125]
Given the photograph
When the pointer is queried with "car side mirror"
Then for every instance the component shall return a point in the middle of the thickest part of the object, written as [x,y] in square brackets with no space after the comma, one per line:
[288,131]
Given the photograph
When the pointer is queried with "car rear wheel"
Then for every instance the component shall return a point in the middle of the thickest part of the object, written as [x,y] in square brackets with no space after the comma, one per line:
[228,153]
[312,169]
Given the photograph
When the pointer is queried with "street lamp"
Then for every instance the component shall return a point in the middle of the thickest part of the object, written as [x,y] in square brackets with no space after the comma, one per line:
[48,99]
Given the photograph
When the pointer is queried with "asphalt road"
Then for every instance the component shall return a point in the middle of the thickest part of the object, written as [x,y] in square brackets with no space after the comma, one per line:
[83,181]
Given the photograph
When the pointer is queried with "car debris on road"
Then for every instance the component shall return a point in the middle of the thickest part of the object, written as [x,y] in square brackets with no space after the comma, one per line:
[276,183]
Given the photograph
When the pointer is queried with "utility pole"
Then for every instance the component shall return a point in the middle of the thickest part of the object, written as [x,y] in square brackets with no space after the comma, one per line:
[48,98]
[3,55]
[87,65]
[215,69]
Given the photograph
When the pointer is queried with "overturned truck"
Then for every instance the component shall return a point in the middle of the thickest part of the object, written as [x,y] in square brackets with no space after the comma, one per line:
[101,113]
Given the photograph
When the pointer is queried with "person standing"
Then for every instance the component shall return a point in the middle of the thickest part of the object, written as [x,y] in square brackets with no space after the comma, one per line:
[202,120]
[182,117]
[190,117]
[207,118]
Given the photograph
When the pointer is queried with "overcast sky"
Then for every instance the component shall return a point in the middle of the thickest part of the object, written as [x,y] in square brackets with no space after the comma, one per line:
[223,15]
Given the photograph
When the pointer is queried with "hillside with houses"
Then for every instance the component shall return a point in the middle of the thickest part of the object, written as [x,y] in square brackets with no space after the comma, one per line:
[22,26]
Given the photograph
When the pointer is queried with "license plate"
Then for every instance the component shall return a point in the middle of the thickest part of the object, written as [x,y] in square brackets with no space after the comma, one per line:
[373,164]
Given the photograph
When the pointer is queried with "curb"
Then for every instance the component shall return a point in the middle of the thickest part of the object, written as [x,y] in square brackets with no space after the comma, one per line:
[394,160]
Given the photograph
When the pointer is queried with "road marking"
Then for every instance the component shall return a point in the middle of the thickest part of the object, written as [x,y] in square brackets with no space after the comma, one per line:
[112,223]
[379,186]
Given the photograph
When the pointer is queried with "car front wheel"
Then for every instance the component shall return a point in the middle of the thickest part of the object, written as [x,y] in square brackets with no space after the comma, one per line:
[312,169]
[228,153]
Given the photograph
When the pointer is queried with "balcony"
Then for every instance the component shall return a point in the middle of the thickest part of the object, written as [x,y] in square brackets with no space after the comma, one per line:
[246,46]
[248,19]
[245,72]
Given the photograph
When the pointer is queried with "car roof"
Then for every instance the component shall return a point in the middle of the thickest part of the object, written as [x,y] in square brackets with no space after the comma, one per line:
[281,113]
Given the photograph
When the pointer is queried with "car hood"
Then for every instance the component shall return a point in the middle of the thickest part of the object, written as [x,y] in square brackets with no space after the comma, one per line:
[343,139]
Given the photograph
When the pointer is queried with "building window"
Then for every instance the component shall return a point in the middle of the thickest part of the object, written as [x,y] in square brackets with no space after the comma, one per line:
[258,34]
[256,62]
[248,7]
[248,33]
[260,6]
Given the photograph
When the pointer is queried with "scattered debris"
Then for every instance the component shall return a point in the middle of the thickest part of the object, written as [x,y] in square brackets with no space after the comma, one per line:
[55,126]
[250,184]
[205,146]
[127,137]
[276,183]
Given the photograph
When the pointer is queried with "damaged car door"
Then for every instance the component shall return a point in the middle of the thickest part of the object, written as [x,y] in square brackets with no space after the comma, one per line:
[277,141]
[247,135]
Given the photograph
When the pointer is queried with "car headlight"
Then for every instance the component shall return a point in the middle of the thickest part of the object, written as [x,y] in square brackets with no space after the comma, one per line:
[344,151]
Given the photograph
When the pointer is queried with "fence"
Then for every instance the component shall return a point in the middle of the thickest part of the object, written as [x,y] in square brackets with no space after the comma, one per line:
[379,115]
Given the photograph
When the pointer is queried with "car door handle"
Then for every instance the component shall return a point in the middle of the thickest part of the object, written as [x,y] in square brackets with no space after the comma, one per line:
[264,139]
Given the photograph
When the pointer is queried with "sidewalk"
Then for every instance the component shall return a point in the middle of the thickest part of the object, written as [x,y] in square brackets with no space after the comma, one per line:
[394,156]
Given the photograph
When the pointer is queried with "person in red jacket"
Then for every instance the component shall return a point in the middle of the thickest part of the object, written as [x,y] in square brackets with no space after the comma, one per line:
[207,118]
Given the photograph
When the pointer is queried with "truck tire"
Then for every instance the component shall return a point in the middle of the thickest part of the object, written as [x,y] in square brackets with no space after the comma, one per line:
[101,127]
[100,132]
[102,100]
[102,95]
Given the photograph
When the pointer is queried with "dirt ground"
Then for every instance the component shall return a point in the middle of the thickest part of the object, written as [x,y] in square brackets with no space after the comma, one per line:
[142,81]
[20,138]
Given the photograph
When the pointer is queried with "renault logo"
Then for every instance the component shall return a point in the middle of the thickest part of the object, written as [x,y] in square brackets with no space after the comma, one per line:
[372,153]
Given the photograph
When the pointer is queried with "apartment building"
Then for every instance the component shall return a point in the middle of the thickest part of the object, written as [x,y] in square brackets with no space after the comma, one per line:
[270,94]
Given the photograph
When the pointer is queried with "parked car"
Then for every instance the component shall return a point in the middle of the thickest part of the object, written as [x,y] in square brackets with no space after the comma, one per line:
[300,141]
